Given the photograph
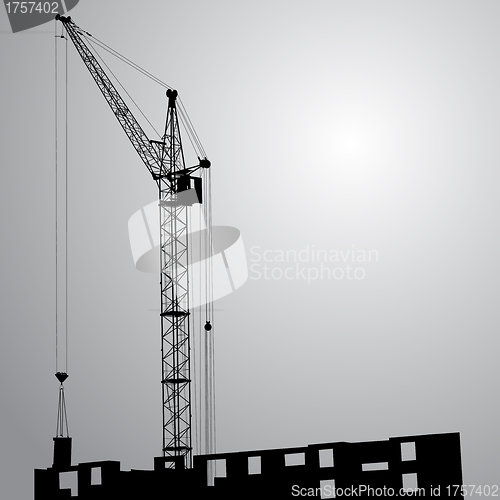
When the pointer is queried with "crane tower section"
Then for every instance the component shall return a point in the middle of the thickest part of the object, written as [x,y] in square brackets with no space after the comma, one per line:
[174,191]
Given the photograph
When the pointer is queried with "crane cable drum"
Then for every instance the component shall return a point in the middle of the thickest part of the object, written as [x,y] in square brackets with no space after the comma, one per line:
[204,366]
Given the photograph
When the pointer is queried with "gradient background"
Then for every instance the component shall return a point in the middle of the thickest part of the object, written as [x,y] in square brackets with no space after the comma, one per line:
[328,123]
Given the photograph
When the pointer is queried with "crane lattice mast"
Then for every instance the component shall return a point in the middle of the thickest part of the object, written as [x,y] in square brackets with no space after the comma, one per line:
[176,381]
[178,189]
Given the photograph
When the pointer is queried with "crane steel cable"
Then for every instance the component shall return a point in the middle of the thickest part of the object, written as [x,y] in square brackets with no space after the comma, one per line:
[195,358]
[57,173]
[186,121]
[125,90]
[56,177]
[199,386]
[210,298]
[208,341]
[210,302]
[66,210]
[62,416]
[192,135]
[126,60]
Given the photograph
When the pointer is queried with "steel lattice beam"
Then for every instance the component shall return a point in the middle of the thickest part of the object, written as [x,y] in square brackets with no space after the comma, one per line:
[175,326]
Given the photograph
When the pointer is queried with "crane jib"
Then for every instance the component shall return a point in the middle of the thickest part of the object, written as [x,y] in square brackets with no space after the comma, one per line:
[130,125]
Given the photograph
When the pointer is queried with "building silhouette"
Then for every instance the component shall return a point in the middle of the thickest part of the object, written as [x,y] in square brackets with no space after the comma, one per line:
[431,463]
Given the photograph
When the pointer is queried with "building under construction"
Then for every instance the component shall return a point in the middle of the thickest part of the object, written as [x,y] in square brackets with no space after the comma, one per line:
[426,466]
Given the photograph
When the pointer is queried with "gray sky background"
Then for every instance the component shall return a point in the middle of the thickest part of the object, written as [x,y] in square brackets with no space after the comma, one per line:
[333,124]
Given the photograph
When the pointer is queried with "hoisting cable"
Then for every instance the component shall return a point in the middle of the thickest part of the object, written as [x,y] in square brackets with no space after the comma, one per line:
[200,339]
[209,367]
[214,427]
[208,328]
[56,173]
[62,417]
[191,300]
[66,207]
[211,311]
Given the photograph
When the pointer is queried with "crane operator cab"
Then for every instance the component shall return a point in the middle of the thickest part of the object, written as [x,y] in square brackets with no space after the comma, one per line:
[188,190]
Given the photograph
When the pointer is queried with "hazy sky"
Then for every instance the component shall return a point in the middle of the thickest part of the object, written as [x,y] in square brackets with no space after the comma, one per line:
[339,125]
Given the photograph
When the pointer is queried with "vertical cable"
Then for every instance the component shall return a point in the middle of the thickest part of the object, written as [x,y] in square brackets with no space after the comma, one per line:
[214,447]
[205,346]
[56,172]
[211,315]
[200,336]
[197,349]
[66,203]
[163,389]
[206,334]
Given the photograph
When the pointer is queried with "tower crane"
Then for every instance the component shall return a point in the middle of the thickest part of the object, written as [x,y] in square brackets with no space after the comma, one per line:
[178,189]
